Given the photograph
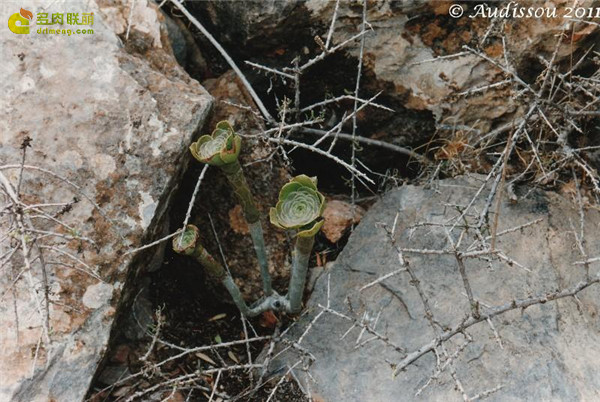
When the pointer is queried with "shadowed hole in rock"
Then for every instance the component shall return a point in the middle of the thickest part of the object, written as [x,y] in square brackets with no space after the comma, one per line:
[335,75]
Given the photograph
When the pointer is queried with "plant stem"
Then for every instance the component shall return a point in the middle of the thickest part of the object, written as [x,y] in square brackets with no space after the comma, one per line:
[256,232]
[300,257]
[216,271]
[235,175]
[188,244]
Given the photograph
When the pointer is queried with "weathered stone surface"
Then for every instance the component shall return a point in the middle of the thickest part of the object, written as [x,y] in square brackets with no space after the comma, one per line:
[116,121]
[251,22]
[405,40]
[549,351]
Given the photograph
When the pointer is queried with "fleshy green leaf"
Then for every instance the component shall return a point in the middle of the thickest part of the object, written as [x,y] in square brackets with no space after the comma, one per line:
[288,188]
[323,203]
[232,149]
[306,181]
[221,147]
[224,125]
[300,206]
[273,218]
[312,230]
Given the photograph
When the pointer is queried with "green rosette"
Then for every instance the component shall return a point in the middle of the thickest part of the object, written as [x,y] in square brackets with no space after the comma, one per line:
[300,207]
[185,243]
[220,148]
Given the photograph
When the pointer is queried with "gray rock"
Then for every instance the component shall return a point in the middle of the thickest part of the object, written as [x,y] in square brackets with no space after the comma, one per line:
[97,295]
[114,116]
[549,351]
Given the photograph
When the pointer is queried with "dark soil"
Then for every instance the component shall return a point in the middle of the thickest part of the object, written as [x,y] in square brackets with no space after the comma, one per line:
[194,316]
[188,309]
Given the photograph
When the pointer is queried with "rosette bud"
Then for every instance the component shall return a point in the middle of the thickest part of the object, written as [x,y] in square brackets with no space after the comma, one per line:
[220,148]
[185,243]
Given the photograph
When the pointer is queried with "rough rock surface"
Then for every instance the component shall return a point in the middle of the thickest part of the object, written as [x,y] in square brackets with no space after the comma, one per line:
[252,22]
[339,216]
[549,351]
[407,38]
[113,115]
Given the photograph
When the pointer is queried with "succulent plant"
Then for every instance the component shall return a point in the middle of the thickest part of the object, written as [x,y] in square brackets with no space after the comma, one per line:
[188,243]
[219,148]
[300,207]
[222,149]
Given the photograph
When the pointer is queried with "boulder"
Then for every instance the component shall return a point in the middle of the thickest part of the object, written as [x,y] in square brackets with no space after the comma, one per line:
[110,115]
[547,351]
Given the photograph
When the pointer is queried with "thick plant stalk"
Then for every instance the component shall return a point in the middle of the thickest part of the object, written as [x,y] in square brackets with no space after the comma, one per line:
[187,244]
[222,149]
[300,207]
[300,258]
[235,175]
[258,240]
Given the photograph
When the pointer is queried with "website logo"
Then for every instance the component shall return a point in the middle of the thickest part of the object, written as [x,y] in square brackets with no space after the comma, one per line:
[61,23]
[19,22]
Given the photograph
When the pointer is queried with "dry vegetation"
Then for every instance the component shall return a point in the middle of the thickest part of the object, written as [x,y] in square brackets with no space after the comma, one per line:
[548,145]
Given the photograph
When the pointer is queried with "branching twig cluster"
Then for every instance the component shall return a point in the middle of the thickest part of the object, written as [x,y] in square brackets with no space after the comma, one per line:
[555,106]
[543,142]
[535,147]
[35,243]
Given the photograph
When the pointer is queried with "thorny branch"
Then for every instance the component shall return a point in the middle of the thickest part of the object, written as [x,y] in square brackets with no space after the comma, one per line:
[550,104]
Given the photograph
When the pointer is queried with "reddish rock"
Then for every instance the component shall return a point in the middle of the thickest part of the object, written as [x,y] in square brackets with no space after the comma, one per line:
[339,216]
